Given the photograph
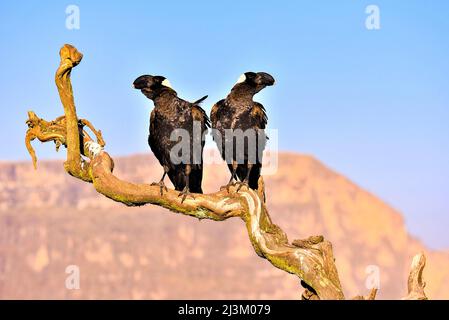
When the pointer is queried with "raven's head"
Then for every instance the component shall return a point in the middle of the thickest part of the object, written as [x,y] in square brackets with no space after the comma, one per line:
[152,86]
[254,82]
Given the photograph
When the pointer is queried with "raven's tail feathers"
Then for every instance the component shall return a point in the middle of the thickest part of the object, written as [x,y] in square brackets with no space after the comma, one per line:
[199,101]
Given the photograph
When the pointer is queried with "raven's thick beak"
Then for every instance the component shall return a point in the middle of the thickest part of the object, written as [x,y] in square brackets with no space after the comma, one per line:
[265,79]
[136,83]
[141,82]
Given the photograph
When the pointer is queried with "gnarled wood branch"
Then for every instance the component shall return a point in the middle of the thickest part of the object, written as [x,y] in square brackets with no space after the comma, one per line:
[415,281]
[310,259]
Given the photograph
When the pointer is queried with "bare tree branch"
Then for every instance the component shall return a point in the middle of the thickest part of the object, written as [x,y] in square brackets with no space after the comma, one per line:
[415,281]
[310,259]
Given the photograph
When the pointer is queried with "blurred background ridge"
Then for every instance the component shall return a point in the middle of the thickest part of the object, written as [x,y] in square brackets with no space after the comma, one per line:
[49,220]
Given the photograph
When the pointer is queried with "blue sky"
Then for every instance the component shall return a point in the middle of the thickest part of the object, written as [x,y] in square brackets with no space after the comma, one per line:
[373,105]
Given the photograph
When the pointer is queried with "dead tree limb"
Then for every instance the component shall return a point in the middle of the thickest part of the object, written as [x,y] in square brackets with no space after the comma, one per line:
[415,281]
[310,259]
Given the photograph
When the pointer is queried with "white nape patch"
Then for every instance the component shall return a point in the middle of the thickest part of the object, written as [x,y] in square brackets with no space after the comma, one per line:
[93,148]
[167,83]
[241,79]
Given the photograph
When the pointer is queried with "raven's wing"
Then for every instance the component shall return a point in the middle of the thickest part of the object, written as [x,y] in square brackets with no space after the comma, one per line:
[214,114]
[220,121]
[156,140]
[198,114]
[196,174]
[151,137]
[258,120]
[259,116]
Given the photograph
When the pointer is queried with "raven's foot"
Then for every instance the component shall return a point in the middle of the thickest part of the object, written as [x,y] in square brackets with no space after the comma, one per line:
[230,184]
[184,193]
[161,185]
[241,184]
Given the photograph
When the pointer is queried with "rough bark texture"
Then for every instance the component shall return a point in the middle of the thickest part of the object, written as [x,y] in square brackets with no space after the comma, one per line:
[310,259]
[416,283]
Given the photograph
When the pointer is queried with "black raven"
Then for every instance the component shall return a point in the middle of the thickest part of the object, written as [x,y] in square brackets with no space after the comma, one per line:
[239,111]
[170,114]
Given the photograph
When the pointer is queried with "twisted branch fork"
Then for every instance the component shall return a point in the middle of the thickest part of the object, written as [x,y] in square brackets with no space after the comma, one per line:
[55,131]
[310,259]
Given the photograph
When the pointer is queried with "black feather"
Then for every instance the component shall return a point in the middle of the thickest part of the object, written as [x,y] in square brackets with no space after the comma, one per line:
[171,113]
[199,101]
[239,111]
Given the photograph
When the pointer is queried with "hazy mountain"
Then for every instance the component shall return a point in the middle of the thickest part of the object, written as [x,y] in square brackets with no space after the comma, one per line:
[49,220]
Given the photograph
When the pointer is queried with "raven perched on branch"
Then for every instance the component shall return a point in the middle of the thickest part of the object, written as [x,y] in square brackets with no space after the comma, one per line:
[239,114]
[170,114]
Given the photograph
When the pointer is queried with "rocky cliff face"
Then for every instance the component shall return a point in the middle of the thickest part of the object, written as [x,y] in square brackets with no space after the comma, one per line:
[49,220]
